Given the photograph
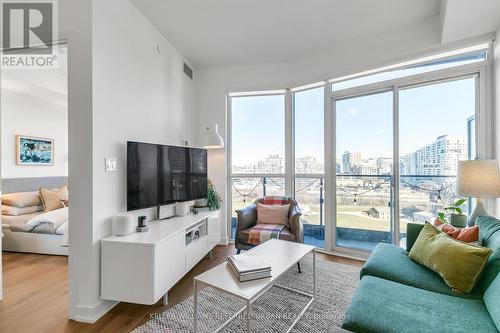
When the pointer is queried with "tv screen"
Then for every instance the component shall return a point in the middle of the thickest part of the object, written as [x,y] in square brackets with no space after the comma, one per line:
[173,176]
[198,173]
[142,175]
[161,175]
[183,174]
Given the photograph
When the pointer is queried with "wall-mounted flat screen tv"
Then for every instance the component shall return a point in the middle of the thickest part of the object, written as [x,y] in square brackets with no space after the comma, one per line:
[174,174]
[142,175]
[199,173]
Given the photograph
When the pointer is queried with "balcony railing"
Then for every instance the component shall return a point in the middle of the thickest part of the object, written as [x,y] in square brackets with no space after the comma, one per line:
[365,209]
[364,204]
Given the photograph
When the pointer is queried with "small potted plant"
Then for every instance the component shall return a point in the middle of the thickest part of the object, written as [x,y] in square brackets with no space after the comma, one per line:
[213,198]
[457,217]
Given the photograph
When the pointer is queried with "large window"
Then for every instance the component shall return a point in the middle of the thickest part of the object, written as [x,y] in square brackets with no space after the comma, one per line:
[429,151]
[364,147]
[376,152]
[257,149]
[455,61]
[258,134]
[309,127]
[375,197]
[309,180]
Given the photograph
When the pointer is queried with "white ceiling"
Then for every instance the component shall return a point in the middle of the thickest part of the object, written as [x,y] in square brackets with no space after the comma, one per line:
[236,32]
[466,18]
[50,85]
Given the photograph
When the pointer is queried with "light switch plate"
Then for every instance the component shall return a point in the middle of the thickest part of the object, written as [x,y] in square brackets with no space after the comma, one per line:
[110,164]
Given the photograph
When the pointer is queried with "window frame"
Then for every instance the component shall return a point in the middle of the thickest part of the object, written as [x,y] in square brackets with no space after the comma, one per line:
[293,174]
[483,127]
[229,147]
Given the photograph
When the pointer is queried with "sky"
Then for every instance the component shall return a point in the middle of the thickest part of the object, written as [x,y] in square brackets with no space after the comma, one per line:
[258,128]
[364,124]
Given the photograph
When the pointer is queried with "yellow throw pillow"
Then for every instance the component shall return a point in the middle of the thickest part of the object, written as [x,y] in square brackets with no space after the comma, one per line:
[459,264]
[50,200]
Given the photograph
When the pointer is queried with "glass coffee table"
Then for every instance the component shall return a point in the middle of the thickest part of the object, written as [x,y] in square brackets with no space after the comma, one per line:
[280,254]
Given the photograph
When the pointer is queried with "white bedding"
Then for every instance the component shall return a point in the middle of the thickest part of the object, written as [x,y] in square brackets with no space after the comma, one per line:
[21,228]
[63,230]
[18,223]
[49,222]
[56,217]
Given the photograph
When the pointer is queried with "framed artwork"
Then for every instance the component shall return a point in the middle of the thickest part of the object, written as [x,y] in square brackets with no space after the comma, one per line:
[34,151]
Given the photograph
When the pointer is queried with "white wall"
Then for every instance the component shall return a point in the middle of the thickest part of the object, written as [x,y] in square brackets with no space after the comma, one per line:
[496,94]
[496,106]
[28,115]
[75,25]
[135,94]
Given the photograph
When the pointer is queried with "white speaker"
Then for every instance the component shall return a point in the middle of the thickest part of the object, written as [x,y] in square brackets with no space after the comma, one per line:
[181,209]
[123,224]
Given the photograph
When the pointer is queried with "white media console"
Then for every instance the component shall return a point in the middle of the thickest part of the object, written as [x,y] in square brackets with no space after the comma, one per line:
[142,267]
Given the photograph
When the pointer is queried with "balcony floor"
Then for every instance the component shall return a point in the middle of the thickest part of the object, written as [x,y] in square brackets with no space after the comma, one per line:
[311,237]
[357,244]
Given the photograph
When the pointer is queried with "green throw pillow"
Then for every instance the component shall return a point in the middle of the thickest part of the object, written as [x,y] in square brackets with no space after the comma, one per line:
[459,264]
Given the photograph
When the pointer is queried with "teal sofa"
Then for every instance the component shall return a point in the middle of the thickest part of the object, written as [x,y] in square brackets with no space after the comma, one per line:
[396,294]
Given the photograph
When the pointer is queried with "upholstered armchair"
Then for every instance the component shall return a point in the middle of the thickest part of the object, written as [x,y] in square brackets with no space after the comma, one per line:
[247,220]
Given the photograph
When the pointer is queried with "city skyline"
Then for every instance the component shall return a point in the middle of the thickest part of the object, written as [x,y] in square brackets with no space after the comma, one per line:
[364,123]
[439,157]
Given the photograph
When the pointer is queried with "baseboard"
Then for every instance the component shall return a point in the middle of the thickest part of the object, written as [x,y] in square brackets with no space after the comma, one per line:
[91,314]
[224,241]
[356,256]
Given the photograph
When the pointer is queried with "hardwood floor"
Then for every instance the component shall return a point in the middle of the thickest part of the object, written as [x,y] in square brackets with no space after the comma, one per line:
[36,295]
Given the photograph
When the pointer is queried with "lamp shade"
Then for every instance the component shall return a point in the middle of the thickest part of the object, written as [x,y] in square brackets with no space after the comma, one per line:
[212,138]
[478,178]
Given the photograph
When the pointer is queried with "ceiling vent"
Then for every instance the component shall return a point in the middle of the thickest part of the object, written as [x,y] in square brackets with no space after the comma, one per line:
[188,71]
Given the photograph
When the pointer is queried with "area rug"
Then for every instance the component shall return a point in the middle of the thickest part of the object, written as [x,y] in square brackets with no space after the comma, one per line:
[274,311]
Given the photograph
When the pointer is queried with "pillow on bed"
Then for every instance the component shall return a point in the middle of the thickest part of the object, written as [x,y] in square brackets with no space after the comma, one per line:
[22,199]
[50,200]
[15,211]
[63,195]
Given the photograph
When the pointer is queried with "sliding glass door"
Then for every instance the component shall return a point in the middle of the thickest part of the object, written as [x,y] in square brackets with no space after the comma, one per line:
[435,133]
[364,170]
[377,196]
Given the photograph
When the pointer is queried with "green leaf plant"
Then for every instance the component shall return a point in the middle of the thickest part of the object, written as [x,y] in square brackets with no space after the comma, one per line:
[213,198]
[453,209]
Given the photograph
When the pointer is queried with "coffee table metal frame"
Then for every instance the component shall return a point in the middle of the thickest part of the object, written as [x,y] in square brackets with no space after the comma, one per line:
[199,284]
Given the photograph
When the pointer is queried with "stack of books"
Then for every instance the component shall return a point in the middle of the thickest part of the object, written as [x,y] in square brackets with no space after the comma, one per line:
[249,266]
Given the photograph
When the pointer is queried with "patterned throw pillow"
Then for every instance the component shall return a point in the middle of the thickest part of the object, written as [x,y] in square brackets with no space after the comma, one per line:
[466,235]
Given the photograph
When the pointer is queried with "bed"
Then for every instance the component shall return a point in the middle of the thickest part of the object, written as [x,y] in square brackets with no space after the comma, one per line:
[25,227]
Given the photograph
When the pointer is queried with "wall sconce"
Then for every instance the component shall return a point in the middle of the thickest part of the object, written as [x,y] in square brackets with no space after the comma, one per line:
[212,138]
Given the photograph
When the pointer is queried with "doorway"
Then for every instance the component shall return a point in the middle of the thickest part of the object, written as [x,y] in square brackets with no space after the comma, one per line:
[34,179]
